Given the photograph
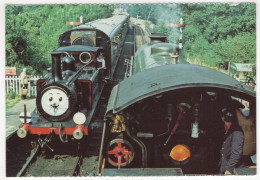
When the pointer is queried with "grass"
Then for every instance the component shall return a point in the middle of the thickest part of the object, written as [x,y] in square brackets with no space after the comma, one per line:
[11,99]
[197,61]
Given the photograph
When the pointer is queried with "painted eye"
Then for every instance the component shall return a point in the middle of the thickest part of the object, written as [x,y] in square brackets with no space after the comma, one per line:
[50,99]
[60,99]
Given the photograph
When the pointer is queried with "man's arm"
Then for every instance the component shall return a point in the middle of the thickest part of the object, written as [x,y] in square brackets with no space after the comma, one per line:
[236,150]
[103,65]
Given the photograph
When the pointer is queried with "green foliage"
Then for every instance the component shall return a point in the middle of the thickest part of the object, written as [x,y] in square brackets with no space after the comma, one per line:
[241,48]
[144,11]
[160,28]
[32,31]
[11,99]
[220,20]
[11,95]
[217,33]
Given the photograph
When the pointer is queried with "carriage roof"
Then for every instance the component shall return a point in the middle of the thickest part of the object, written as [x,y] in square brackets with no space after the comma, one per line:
[109,26]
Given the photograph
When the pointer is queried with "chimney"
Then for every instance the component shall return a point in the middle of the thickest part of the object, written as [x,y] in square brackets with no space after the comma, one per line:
[56,67]
[161,37]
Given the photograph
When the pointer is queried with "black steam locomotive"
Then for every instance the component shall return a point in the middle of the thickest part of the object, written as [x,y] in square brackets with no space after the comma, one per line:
[164,119]
[68,95]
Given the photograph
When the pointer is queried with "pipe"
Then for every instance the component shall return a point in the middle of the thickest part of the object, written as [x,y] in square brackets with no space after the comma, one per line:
[61,138]
[195,125]
[169,112]
[102,147]
[142,146]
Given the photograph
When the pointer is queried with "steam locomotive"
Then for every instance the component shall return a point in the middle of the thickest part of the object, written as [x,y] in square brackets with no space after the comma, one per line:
[68,94]
[164,119]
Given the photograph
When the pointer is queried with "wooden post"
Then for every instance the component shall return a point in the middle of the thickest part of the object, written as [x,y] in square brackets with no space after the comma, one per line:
[229,68]
[7,84]
[13,84]
[29,88]
[16,88]
[19,85]
[81,19]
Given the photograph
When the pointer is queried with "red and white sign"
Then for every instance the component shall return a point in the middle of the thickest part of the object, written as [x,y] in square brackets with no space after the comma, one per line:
[10,70]
[175,25]
[73,23]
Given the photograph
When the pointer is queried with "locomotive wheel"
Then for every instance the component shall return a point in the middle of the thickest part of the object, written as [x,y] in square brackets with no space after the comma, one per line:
[66,102]
[120,153]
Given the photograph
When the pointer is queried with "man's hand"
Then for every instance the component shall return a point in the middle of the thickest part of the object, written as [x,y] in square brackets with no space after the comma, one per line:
[202,131]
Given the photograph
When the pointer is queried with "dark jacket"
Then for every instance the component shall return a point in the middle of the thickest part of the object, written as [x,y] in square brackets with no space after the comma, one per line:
[232,148]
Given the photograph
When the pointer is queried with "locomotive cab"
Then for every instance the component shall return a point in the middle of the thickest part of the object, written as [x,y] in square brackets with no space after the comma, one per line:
[172,120]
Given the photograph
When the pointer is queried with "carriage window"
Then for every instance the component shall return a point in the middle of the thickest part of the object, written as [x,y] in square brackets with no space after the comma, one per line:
[86,38]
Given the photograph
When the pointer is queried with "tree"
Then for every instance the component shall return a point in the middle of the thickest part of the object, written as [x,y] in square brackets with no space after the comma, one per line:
[32,31]
[220,32]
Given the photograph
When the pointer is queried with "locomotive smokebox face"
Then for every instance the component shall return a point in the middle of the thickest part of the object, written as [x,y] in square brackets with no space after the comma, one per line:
[55,102]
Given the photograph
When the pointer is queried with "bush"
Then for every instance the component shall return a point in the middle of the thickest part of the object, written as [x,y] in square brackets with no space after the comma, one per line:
[11,95]
[11,99]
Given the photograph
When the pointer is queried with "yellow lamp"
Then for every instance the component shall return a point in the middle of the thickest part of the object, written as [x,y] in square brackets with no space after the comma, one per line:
[180,152]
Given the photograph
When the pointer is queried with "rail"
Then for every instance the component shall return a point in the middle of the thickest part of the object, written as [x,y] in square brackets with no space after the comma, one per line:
[25,166]
[129,67]
[74,163]
[134,40]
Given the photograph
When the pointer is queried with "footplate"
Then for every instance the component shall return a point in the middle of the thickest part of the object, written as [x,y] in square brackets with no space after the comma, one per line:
[143,172]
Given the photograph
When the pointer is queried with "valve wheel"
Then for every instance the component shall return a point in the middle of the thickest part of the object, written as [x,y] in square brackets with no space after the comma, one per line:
[120,153]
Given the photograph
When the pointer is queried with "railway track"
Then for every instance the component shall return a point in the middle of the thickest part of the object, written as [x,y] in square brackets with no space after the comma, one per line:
[29,160]
[67,159]
[59,165]
[127,52]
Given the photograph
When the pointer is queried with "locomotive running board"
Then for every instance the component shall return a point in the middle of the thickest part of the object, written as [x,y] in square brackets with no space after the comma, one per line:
[143,172]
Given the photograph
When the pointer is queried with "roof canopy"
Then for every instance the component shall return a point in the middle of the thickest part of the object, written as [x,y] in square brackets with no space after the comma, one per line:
[241,67]
[109,26]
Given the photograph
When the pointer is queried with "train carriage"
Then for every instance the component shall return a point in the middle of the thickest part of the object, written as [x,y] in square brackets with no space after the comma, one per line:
[68,94]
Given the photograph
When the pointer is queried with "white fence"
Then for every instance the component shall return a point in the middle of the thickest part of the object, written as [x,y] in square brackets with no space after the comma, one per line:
[14,84]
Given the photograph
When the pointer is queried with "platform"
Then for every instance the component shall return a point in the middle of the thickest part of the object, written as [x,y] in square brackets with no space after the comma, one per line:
[12,121]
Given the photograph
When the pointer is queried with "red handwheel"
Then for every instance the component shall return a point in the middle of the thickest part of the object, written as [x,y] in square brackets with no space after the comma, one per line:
[120,153]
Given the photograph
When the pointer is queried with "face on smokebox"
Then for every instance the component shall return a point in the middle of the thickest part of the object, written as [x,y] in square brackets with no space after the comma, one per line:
[55,102]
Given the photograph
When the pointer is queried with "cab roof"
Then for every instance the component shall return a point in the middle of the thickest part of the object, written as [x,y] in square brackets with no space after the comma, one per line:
[165,78]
